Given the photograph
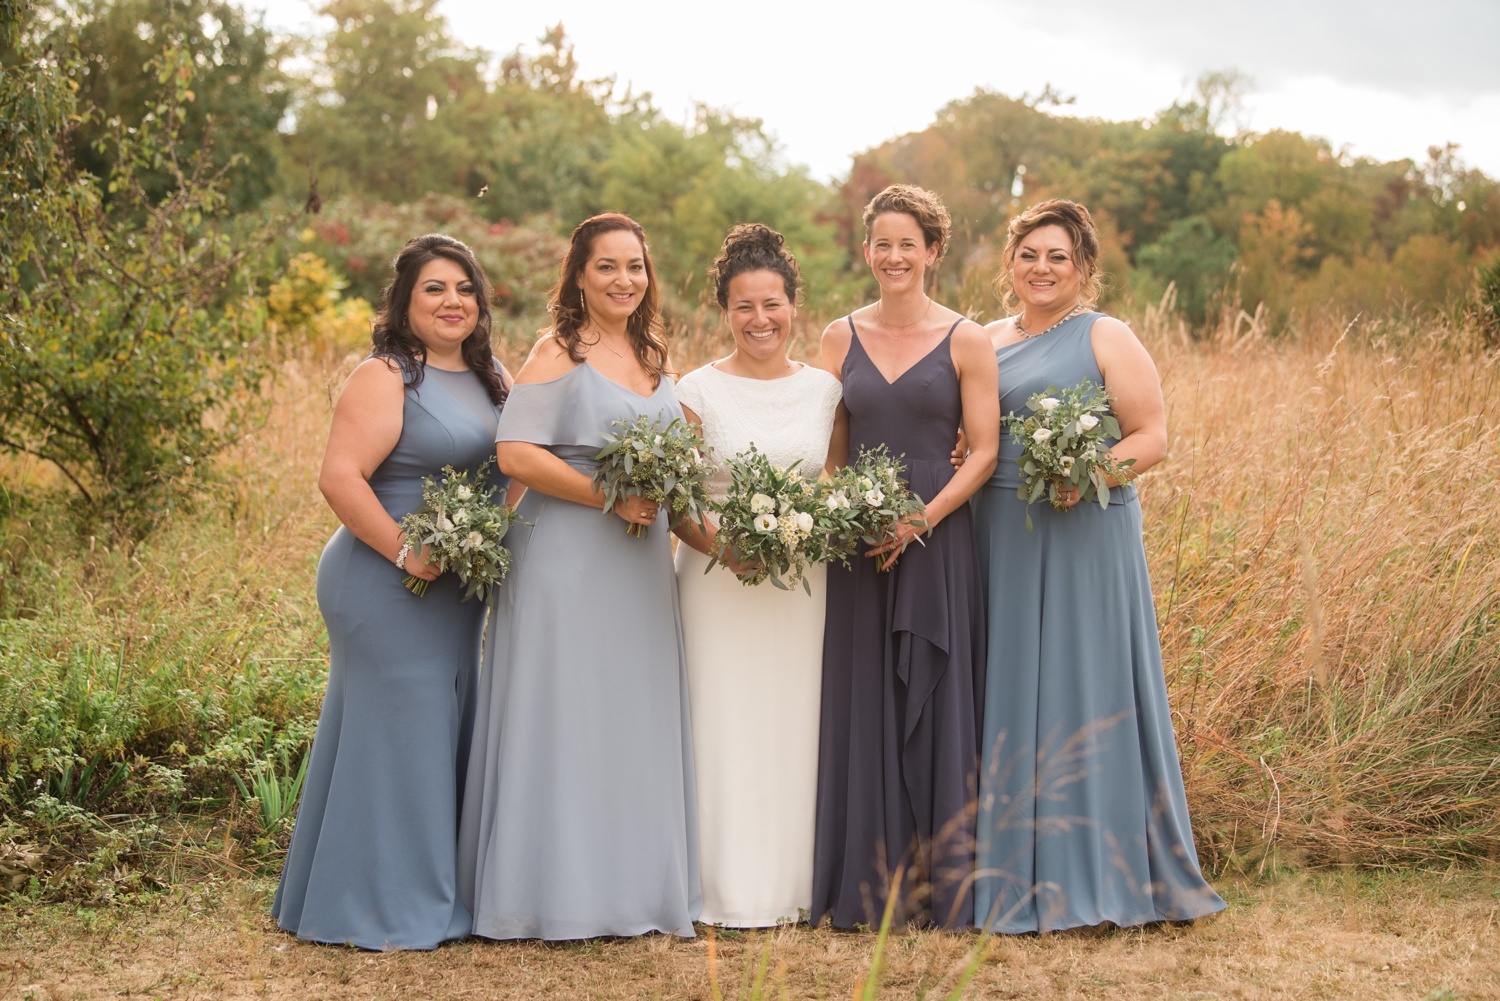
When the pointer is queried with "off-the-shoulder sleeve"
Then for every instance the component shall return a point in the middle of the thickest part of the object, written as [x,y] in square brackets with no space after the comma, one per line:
[689,390]
[550,413]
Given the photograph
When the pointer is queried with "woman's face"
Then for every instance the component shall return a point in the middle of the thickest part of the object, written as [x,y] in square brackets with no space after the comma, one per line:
[444,307]
[760,314]
[614,281]
[898,252]
[1045,275]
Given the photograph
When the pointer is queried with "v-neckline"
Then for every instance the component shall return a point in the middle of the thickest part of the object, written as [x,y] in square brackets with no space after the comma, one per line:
[930,351]
[639,396]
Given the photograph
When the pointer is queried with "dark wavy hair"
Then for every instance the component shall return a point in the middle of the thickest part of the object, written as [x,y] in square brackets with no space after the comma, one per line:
[1078,224]
[753,247]
[393,336]
[569,313]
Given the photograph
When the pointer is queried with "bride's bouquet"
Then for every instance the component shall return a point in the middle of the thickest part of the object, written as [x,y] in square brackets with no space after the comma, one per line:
[1063,444]
[772,520]
[663,464]
[464,528]
[866,500]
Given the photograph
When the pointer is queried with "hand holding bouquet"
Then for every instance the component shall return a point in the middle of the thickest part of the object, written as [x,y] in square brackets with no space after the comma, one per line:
[662,464]
[867,500]
[771,520]
[1063,445]
[464,529]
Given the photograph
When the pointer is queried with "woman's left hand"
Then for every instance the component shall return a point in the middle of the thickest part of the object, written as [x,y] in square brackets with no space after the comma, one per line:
[906,532]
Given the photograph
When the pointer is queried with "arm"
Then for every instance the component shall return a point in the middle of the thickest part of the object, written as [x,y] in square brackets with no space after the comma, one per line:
[366,426]
[831,353]
[688,531]
[979,391]
[517,489]
[1131,378]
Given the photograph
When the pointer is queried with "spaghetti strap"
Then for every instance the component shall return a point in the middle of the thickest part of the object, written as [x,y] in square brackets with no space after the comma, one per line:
[955,325]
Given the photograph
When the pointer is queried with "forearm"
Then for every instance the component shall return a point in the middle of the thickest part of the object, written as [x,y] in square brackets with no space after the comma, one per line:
[1146,447]
[361,512]
[544,472]
[692,536]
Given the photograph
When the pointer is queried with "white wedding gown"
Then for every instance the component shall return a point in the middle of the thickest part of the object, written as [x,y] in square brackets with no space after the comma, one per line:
[754,666]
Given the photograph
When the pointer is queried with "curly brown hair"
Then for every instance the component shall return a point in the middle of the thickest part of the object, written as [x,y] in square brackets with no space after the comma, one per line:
[569,315]
[393,337]
[919,203]
[753,247]
[1073,218]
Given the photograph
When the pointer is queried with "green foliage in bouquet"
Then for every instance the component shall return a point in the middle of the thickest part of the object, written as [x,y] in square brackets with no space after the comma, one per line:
[664,464]
[865,501]
[464,528]
[772,519]
[1064,444]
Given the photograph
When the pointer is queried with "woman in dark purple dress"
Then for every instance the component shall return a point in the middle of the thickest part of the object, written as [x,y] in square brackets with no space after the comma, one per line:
[904,650]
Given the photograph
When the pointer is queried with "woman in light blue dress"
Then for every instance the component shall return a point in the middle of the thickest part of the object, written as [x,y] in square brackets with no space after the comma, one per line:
[1082,816]
[372,856]
[579,817]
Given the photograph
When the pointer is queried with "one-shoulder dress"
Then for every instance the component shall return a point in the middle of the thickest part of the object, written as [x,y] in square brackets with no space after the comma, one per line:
[579,818]
[1082,814]
[372,856]
[903,677]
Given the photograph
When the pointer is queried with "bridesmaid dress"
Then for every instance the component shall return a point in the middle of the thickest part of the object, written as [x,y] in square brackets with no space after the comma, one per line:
[903,677]
[1082,815]
[372,856]
[755,665]
[578,813]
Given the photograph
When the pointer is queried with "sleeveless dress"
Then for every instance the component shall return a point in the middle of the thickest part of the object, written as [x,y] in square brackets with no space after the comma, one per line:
[755,666]
[372,856]
[578,815]
[903,677]
[1082,814]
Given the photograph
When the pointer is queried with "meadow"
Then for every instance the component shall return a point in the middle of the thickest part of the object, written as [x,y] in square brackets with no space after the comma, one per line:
[1327,573]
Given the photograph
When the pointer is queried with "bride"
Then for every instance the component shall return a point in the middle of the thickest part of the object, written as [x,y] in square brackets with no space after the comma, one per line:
[754,654]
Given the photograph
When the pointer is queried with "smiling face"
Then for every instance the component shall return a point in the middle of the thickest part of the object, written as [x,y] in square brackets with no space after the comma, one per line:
[760,314]
[443,308]
[614,281]
[898,253]
[1045,274]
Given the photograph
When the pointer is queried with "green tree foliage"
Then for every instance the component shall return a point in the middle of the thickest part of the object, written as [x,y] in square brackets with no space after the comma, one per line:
[121,348]
[237,98]
[1195,258]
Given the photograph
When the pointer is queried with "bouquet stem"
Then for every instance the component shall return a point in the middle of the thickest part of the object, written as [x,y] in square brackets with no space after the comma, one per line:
[415,585]
[639,531]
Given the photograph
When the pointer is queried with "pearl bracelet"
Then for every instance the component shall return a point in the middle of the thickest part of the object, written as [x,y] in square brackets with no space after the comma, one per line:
[401,556]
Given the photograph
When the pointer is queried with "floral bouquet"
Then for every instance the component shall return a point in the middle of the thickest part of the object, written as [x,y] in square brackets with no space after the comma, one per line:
[664,464]
[1063,444]
[772,519]
[866,500]
[464,528]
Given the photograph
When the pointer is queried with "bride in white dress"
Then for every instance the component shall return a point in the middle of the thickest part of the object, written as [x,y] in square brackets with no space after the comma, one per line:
[755,654]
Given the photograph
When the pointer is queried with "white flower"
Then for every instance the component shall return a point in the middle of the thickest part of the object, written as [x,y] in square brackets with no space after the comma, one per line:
[444,525]
[804,521]
[462,492]
[836,500]
[784,506]
[762,504]
[1067,463]
[765,522]
[460,517]
[474,541]
[1041,434]
[864,483]
[1088,422]
[1048,403]
[874,498]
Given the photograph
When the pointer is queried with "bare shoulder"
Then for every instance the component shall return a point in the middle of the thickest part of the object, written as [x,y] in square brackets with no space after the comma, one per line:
[374,378]
[1002,332]
[1114,338]
[834,347]
[969,336]
[548,360]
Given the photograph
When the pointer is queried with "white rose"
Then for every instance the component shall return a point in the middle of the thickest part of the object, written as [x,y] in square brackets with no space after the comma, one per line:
[444,525]
[874,498]
[761,504]
[765,522]
[460,517]
[474,541]
[1041,434]
[1088,422]
[1048,403]
[462,492]
[836,500]
[804,521]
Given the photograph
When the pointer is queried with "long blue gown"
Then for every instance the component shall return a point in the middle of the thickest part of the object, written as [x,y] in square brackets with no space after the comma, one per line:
[1082,814]
[579,814]
[372,856]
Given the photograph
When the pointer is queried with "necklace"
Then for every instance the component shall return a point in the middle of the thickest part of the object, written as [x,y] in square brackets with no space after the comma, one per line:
[905,328]
[1022,318]
[598,341]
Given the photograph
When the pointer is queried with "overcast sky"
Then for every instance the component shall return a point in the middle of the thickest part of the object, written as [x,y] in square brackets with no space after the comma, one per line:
[1385,79]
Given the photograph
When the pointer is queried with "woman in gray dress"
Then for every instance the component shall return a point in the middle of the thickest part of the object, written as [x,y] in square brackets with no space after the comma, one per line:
[372,856]
[1082,815]
[579,818]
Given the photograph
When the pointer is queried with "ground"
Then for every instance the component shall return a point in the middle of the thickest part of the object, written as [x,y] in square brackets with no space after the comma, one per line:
[1431,936]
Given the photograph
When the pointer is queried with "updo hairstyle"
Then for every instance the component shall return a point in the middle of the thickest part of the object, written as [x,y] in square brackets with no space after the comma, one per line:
[919,203]
[1072,217]
[753,247]
[393,337]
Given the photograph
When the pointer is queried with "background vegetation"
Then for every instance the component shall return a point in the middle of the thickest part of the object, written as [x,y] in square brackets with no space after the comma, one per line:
[197,215]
